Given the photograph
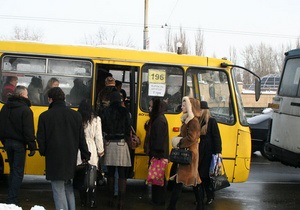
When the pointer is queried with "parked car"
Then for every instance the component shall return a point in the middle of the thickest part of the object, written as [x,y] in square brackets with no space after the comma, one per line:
[260,127]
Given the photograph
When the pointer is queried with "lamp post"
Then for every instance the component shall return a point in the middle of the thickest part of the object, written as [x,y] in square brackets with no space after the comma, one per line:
[146,29]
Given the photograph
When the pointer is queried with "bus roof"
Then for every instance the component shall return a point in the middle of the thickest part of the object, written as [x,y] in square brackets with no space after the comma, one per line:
[293,52]
[107,53]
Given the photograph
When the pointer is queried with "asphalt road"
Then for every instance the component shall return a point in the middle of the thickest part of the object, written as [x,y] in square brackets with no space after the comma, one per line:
[271,185]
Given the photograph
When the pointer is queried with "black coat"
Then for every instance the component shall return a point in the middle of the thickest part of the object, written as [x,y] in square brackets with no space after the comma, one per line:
[209,144]
[60,134]
[159,138]
[16,122]
[116,120]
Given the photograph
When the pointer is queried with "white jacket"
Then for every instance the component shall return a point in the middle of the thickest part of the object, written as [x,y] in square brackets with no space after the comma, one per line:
[94,140]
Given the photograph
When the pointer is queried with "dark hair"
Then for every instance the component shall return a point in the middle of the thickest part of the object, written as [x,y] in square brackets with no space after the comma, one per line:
[36,82]
[86,110]
[115,97]
[158,108]
[77,82]
[57,94]
[118,83]
[10,78]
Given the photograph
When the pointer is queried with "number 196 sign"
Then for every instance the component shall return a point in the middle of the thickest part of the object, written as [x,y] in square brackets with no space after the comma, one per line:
[157,82]
[157,76]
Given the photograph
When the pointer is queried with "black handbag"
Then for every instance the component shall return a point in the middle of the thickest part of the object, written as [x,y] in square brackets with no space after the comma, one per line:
[220,181]
[181,156]
[85,177]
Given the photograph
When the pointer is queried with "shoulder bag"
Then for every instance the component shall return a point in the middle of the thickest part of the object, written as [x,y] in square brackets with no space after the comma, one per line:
[133,141]
[219,180]
[181,156]
[85,176]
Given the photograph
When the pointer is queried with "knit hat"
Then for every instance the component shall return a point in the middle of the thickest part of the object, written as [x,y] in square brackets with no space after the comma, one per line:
[110,81]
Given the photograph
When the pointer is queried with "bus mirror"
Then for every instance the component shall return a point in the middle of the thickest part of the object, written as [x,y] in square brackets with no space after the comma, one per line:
[257,89]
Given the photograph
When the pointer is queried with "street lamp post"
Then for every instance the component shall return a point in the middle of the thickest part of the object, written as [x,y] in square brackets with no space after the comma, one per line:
[146,29]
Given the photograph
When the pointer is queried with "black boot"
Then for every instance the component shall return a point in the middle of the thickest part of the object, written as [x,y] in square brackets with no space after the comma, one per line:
[208,188]
[83,197]
[122,191]
[92,198]
[175,196]
[111,189]
[199,195]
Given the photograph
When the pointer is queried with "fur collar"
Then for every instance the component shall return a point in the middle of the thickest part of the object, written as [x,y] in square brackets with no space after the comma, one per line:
[186,117]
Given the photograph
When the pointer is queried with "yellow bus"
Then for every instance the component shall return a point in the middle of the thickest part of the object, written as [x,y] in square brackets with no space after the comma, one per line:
[144,75]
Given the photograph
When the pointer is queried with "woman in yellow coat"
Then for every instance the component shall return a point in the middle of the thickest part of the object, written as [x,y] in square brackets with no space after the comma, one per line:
[189,138]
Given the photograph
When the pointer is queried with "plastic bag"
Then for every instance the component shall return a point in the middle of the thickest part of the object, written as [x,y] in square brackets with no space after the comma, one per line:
[156,172]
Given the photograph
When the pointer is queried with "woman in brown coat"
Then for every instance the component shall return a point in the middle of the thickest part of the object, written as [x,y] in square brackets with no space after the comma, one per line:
[189,138]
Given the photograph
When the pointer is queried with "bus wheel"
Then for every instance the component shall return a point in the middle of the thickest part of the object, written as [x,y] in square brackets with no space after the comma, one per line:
[265,155]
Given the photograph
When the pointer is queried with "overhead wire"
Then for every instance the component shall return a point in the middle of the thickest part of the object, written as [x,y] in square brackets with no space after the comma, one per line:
[139,25]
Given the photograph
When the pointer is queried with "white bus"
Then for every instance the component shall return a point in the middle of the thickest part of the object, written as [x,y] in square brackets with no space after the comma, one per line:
[284,139]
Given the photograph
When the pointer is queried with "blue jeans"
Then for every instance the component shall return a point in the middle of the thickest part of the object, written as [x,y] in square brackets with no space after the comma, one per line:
[16,152]
[63,195]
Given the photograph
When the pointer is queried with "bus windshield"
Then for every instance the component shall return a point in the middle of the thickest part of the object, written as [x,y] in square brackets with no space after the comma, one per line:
[237,91]
[213,87]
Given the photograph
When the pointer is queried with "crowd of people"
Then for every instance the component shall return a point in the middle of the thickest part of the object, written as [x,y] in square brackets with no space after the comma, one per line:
[68,138]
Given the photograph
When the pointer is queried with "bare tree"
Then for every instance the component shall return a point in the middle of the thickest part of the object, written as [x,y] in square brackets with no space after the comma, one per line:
[102,37]
[233,58]
[173,40]
[199,43]
[298,42]
[169,46]
[26,34]
[232,54]
[263,60]
[181,37]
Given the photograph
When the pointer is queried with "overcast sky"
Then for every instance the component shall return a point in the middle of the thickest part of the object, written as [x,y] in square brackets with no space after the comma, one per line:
[225,24]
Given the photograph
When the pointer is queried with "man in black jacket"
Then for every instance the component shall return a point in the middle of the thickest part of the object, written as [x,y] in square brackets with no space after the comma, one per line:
[17,131]
[60,134]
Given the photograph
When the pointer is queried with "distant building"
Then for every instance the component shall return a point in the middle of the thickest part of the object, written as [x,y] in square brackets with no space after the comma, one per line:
[268,83]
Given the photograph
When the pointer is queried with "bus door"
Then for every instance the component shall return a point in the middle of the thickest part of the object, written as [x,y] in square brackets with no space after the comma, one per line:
[127,75]
[165,82]
[213,86]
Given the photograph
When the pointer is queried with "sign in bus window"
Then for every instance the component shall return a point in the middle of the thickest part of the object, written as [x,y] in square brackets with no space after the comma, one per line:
[162,81]
[157,82]
[157,76]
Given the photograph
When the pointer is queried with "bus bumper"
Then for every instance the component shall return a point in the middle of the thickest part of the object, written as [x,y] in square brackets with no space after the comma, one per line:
[286,157]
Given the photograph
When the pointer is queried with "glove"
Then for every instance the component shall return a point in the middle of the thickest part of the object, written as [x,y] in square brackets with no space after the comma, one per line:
[31,153]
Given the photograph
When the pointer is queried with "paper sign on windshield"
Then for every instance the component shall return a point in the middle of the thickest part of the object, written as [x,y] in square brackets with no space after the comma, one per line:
[157,82]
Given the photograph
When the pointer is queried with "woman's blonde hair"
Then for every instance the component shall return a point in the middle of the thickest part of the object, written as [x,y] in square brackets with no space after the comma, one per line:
[195,107]
[203,120]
